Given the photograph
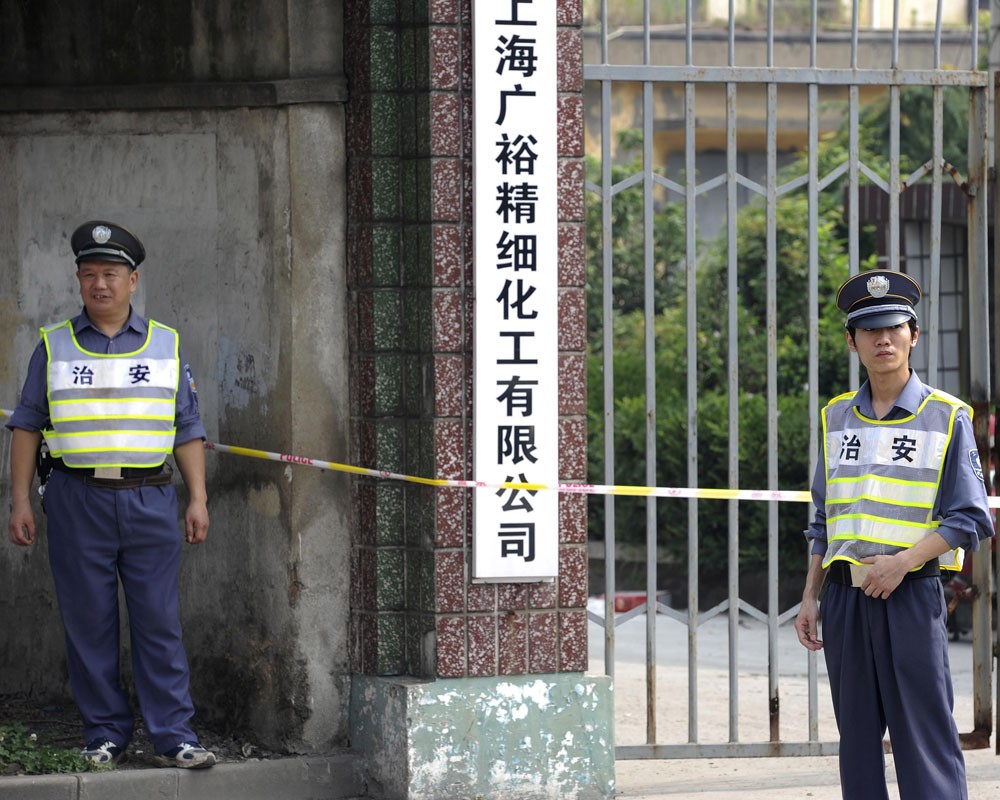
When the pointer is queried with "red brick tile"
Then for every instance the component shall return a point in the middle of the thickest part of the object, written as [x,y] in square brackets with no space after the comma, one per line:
[542,595]
[446,190]
[368,642]
[449,581]
[570,125]
[359,188]
[482,645]
[573,518]
[444,49]
[569,12]
[512,636]
[572,383]
[366,444]
[364,498]
[449,386]
[449,523]
[572,255]
[569,42]
[481,597]
[366,385]
[543,643]
[446,124]
[573,576]
[366,322]
[359,126]
[450,461]
[443,12]
[447,320]
[450,647]
[447,249]
[512,596]
[572,319]
[571,179]
[573,448]
[573,641]
[367,582]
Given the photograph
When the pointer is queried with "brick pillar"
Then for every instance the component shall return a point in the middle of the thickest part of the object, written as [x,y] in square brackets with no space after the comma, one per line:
[415,611]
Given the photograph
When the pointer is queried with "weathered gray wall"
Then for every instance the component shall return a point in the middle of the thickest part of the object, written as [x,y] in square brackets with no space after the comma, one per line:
[237,192]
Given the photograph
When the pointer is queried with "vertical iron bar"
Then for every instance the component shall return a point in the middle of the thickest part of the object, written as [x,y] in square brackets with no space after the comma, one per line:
[813,323]
[853,181]
[894,182]
[932,312]
[772,414]
[692,403]
[732,293]
[772,388]
[650,356]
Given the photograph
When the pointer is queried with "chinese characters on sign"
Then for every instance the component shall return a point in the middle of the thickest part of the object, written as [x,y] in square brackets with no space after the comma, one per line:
[516,535]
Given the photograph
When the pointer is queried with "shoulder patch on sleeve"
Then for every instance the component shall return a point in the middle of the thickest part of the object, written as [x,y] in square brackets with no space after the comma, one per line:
[977,466]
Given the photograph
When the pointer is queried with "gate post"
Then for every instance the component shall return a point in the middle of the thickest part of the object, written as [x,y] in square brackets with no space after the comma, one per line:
[979,390]
[460,688]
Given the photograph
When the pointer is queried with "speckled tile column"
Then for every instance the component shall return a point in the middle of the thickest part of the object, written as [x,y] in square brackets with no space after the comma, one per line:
[410,244]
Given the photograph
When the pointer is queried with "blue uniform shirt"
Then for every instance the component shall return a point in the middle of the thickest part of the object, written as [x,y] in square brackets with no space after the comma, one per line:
[961,504]
[32,413]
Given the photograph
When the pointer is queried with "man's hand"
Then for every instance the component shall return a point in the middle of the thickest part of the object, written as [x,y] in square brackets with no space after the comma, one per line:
[190,458]
[196,522]
[886,574]
[21,528]
[807,625]
[23,450]
[807,622]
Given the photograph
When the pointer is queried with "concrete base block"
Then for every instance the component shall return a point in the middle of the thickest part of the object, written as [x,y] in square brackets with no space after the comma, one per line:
[527,737]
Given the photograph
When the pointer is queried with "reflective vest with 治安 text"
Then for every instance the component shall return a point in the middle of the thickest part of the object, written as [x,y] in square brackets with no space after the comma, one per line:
[112,410]
[883,477]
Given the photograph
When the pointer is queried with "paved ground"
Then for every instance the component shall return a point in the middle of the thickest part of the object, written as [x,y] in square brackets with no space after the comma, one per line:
[743,778]
[773,779]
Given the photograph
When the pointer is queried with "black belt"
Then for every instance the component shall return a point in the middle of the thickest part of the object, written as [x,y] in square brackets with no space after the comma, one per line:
[840,572]
[131,477]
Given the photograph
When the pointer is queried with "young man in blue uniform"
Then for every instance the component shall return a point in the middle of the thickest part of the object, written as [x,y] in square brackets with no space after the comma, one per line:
[112,397]
[899,496]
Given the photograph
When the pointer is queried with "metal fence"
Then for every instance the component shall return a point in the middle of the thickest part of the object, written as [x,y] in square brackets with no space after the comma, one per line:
[719,112]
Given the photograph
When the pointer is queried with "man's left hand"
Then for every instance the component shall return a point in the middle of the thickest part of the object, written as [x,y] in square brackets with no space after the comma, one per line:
[886,574]
[196,523]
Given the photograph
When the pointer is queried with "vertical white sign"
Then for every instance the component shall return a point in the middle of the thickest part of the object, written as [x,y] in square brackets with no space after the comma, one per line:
[516,230]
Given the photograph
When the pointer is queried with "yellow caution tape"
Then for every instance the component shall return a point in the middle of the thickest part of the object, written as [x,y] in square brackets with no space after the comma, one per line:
[694,493]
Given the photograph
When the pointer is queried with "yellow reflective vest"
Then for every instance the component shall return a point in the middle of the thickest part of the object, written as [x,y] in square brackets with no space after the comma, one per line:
[112,410]
[883,477]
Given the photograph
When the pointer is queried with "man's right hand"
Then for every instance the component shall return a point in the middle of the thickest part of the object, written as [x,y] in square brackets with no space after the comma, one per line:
[807,625]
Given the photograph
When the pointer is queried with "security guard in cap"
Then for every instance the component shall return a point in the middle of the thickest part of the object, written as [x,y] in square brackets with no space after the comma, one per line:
[112,396]
[899,497]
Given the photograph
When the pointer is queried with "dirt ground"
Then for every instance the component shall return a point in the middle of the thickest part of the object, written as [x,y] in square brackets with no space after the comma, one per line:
[58,724]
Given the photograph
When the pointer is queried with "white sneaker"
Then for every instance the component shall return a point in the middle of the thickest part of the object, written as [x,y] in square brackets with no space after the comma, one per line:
[103,752]
[187,755]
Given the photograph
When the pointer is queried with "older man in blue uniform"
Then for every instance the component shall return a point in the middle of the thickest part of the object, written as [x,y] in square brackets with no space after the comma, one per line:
[110,396]
[899,496]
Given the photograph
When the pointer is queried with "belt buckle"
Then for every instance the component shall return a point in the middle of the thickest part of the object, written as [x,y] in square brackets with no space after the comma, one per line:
[858,574]
[108,473]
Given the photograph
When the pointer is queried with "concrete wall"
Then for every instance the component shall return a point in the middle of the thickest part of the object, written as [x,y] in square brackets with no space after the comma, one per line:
[236,187]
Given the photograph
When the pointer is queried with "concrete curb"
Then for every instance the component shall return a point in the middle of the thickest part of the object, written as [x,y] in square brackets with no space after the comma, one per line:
[338,777]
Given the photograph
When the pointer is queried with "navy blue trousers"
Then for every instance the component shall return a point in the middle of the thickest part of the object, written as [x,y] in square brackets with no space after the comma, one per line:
[96,537]
[888,667]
